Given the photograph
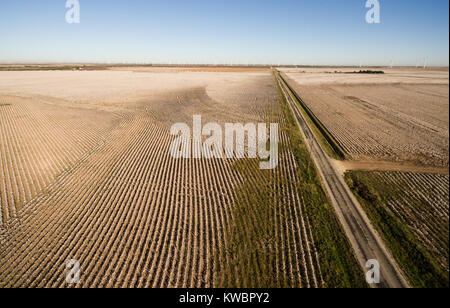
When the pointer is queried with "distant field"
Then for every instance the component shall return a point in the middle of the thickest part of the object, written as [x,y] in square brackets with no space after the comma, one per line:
[18,68]
[412,212]
[174,69]
[134,68]
[86,174]
[36,68]
[398,116]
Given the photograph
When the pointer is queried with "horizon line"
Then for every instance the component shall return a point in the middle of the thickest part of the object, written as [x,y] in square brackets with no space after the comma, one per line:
[162,64]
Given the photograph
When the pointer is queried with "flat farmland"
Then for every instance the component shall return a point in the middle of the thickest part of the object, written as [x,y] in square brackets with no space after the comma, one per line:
[399,116]
[393,129]
[86,174]
[411,210]
[386,124]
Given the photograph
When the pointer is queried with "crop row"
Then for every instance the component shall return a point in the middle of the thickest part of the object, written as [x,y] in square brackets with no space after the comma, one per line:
[35,148]
[135,217]
[421,202]
[368,128]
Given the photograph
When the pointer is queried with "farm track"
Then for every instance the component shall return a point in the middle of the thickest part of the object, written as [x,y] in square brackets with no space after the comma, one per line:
[364,239]
[374,165]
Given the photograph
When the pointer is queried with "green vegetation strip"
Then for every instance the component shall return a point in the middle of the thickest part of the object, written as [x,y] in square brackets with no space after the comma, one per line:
[39,68]
[46,68]
[366,72]
[326,139]
[416,262]
[339,265]
[251,258]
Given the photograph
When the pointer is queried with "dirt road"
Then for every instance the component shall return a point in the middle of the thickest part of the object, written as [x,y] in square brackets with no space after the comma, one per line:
[374,165]
[364,239]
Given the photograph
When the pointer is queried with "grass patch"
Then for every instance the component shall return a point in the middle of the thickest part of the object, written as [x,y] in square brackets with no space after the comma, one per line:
[249,258]
[415,261]
[325,138]
[339,265]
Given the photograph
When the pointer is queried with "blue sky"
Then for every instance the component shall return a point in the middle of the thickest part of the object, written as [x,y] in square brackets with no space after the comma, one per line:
[313,32]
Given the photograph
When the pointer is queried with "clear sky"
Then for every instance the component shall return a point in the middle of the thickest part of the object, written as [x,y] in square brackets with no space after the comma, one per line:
[310,32]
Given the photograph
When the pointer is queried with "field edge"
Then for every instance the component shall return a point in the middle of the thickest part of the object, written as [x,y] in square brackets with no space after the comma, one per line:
[335,251]
[325,138]
[412,257]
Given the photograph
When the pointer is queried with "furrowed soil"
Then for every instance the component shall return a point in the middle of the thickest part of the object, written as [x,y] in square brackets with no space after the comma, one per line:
[87,175]
[395,128]
[411,211]
[400,116]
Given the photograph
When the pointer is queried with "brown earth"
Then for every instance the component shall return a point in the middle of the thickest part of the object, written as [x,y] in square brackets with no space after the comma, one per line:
[402,116]
[87,175]
[372,165]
